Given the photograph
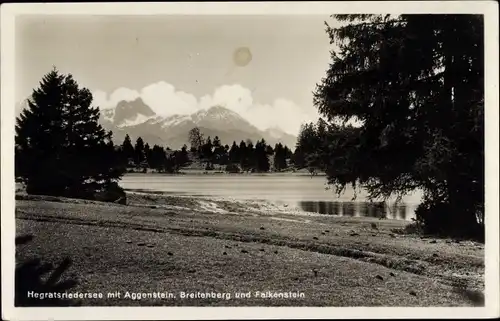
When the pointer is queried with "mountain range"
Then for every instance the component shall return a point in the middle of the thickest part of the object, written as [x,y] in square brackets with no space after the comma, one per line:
[137,119]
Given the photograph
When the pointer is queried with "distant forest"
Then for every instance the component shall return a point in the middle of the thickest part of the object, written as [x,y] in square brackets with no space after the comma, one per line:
[208,154]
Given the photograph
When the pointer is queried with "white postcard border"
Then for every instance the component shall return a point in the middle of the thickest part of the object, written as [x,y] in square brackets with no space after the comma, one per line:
[10,11]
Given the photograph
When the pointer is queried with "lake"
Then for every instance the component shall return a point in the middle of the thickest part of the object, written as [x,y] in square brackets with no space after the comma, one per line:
[309,194]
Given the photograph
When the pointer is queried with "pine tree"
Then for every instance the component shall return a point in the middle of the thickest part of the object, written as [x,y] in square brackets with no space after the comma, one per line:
[128,150]
[117,160]
[249,160]
[234,154]
[309,144]
[279,157]
[218,154]
[139,154]
[60,147]
[261,157]
[170,163]
[183,157]
[269,150]
[147,154]
[414,87]
[207,152]
[157,158]
[244,156]
[298,158]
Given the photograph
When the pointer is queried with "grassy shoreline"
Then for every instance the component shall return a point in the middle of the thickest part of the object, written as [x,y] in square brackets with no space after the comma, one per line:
[160,243]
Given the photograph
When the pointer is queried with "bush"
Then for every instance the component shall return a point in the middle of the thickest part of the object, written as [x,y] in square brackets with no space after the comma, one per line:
[438,218]
[86,191]
[434,218]
[111,193]
[232,168]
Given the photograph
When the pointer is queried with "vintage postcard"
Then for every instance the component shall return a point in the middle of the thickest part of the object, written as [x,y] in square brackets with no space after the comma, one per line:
[249,160]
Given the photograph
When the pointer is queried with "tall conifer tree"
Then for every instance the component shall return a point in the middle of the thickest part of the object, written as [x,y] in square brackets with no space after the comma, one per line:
[61,149]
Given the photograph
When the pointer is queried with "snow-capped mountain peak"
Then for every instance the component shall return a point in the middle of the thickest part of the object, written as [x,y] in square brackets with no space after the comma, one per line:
[131,113]
[136,118]
[215,113]
[174,120]
[139,119]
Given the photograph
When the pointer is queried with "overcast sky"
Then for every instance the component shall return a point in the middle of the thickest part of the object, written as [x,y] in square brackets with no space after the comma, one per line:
[180,64]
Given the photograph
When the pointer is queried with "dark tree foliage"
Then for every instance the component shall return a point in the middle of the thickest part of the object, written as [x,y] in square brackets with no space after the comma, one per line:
[311,146]
[307,139]
[128,151]
[207,152]
[298,158]
[232,168]
[139,152]
[60,147]
[181,157]
[224,155]
[147,153]
[216,143]
[269,150]
[288,152]
[197,141]
[157,158]
[219,154]
[184,156]
[279,157]
[244,152]
[413,87]
[234,154]
[170,165]
[261,157]
[248,157]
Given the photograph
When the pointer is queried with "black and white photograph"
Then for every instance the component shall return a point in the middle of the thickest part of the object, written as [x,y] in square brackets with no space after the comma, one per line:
[249,155]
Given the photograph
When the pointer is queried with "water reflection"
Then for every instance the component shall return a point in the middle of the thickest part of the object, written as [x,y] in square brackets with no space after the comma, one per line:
[399,211]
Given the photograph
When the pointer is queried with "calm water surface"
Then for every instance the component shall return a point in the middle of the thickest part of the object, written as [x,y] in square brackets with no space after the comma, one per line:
[310,194]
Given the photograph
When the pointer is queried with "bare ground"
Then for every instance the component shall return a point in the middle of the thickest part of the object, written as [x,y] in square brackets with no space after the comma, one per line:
[175,244]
